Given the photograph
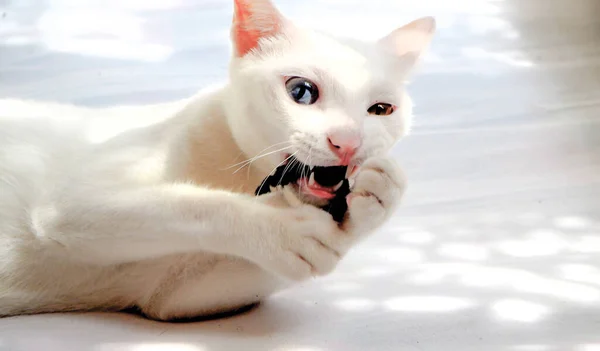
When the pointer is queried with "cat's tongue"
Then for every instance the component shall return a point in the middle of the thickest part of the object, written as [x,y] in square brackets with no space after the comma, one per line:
[323,182]
[317,190]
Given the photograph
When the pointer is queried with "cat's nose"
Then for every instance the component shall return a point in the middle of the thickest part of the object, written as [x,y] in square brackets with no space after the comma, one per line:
[344,144]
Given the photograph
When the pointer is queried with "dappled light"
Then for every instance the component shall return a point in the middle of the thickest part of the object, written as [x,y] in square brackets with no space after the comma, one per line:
[427,277]
[469,252]
[416,237]
[583,273]
[571,222]
[114,32]
[538,243]
[519,310]
[531,347]
[374,272]
[355,304]
[512,59]
[150,347]
[496,245]
[102,33]
[587,243]
[427,304]
[342,287]
[399,255]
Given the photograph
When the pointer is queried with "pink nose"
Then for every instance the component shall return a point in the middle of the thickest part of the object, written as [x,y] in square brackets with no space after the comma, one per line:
[344,145]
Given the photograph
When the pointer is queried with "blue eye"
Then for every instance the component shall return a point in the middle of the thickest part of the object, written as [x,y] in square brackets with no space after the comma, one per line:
[302,90]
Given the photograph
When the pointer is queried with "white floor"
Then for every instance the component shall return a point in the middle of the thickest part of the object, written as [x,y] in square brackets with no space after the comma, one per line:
[497,246]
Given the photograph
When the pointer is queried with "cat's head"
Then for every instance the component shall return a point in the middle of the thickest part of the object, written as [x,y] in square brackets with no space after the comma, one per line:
[325,100]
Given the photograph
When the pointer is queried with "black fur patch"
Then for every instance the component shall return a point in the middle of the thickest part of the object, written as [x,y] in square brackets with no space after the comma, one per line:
[325,176]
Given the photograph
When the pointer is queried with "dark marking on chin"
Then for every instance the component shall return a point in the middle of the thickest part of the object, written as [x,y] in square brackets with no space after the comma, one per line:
[283,175]
[326,176]
[338,206]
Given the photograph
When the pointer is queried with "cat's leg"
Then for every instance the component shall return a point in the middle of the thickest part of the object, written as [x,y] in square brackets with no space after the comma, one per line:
[227,284]
[377,191]
[204,287]
[141,224]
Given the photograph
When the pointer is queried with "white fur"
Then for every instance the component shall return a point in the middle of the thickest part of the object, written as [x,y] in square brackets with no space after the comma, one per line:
[141,207]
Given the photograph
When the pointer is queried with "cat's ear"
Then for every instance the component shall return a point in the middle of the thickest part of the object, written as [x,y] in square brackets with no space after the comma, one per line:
[411,39]
[253,20]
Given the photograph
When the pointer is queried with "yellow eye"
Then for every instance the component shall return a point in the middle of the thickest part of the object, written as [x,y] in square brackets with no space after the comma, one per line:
[381,109]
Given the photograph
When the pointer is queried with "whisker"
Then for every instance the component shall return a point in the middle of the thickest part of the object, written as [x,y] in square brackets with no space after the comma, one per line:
[303,172]
[309,158]
[291,163]
[282,162]
[250,160]
[303,169]
[257,155]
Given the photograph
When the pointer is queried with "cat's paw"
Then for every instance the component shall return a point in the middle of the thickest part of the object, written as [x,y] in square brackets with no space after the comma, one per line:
[304,242]
[377,190]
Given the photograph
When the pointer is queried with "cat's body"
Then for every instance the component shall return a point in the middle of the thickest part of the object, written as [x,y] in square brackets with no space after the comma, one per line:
[39,172]
[141,207]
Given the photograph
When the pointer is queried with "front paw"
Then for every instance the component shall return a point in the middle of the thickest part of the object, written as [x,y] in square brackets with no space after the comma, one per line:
[376,193]
[304,242]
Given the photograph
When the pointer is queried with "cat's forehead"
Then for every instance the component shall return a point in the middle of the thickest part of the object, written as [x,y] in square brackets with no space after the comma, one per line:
[312,53]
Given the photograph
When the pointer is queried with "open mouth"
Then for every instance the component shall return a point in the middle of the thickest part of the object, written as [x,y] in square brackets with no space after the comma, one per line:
[323,182]
[319,181]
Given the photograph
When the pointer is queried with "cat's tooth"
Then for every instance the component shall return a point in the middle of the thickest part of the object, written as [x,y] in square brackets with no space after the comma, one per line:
[311,179]
[349,171]
[339,185]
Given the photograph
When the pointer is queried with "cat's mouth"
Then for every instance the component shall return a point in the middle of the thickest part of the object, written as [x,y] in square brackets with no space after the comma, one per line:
[319,181]
[322,188]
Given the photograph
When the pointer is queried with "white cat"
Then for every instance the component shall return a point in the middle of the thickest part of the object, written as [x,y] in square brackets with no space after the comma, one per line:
[154,216]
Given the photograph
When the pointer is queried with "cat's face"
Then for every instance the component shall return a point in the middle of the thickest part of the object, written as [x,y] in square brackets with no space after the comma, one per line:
[325,101]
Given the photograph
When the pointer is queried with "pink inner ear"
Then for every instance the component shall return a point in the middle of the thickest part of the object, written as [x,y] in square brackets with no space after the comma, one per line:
[248,28]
